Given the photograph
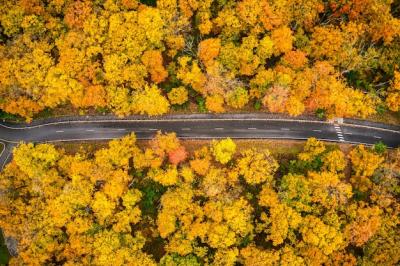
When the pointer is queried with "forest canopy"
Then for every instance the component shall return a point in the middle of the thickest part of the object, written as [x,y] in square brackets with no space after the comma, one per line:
[335,57]
[166,203]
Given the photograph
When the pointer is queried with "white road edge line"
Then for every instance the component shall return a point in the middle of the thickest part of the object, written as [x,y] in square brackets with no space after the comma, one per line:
[4,148]
[5,161]
[1,154]
[60,131]
[10,141]
[252,128]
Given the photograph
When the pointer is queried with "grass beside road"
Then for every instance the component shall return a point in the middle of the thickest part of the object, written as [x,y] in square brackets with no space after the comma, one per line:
[391,118]
[278,148]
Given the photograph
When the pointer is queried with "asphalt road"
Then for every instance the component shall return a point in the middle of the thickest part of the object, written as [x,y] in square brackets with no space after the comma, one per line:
[197,128]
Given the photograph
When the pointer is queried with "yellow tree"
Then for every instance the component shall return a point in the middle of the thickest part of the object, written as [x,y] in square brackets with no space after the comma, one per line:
[334,161]
[150,101]
[119,100]
[167,177]
[256,256]
[257,167]
[282,39]
[328,190]
[118,153]
[261,82]
[162,144]
[209,50]
[190,73]
[76,13]
[178,95]
[382,248]
[296,192]
[294,106]
[225,257]
[223,150]
[366,222]
[237,98]
[92,96]
[364,163]
[215,103]
[154,64]
[281,222]
[22,106]
[312,149]
[36,160]
[265,48]
[215,182]
[276,99]
[59,87]
[202,160]
[393,98]
[316,233]
[332,94]
[295,59]
[227,222]
[180,219]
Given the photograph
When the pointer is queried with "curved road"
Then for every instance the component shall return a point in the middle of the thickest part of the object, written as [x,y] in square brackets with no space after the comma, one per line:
[195,127]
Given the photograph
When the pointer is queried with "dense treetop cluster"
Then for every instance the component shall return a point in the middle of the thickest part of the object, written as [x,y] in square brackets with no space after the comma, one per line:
[336,57]
[161,205]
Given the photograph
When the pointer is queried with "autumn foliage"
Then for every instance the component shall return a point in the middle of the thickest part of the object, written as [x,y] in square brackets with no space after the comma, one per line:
[221,204]
[293,56]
